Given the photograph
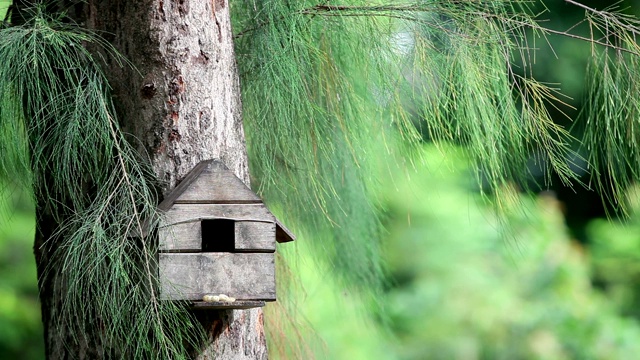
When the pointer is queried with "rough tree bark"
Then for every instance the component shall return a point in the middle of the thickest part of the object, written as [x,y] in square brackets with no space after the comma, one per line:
[183,106]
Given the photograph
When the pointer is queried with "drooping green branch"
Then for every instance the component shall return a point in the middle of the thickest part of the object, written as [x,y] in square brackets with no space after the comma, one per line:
[411,11]
[58,126]
[336,92]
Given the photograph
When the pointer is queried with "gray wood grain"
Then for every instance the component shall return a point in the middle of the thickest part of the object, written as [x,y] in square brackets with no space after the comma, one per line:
[183,185]
[259,236]
[210,182]
[201,305]
[181,237]
[182,213]
[249,236]
[216,184]
[244,276]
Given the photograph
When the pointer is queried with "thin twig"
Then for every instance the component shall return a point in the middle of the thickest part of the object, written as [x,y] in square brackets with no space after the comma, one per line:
[573,36]
[389,10]
[584,7]
[146,254]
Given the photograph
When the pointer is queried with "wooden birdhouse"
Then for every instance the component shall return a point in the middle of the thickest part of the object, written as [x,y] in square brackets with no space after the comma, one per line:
[217,242]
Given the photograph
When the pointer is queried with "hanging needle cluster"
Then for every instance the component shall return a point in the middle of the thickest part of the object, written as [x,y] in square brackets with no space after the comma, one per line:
[339,96]
[60,139]
[610,118]
[335,95]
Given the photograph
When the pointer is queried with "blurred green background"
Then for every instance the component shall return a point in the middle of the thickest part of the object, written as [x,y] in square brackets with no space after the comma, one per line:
[461,289]
[20,325]
[553,280]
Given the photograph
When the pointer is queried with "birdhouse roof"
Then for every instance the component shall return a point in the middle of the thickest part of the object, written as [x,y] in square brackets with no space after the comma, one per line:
[211,182]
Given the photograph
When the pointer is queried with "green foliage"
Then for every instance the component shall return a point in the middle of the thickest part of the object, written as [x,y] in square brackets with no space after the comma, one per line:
[616,256]
[312,123]
[460,292]
[64,144]
[4,6]
[20,325]
[334,94]
[611,108]
[324,84]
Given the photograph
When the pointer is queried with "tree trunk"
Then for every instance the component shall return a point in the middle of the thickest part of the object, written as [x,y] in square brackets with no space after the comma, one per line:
[182,105]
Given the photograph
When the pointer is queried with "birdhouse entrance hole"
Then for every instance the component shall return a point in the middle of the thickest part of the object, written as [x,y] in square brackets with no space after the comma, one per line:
[218,235]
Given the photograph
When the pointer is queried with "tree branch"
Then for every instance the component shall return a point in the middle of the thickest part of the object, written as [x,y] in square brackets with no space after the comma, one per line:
[391,11]
[583,6]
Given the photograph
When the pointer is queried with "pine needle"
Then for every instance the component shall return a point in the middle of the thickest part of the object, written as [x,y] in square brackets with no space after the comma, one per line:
[61,139]
[334,93]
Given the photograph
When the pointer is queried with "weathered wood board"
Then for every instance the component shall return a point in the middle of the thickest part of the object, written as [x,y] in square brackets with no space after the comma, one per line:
[181,237]
[255,236]
[201,305]
[217,237]
[181,228]
[244,276]
[217,184]
[210,182]
[249,236]
[239,212]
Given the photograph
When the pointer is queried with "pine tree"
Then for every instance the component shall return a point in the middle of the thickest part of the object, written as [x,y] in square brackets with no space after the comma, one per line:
[106,105]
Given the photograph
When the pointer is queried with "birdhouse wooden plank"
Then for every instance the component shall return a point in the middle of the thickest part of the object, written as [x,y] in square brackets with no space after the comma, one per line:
[181,228]
[181,213]
[210,182]
[217,237]
[251,235]
[187,276]
[190,236]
